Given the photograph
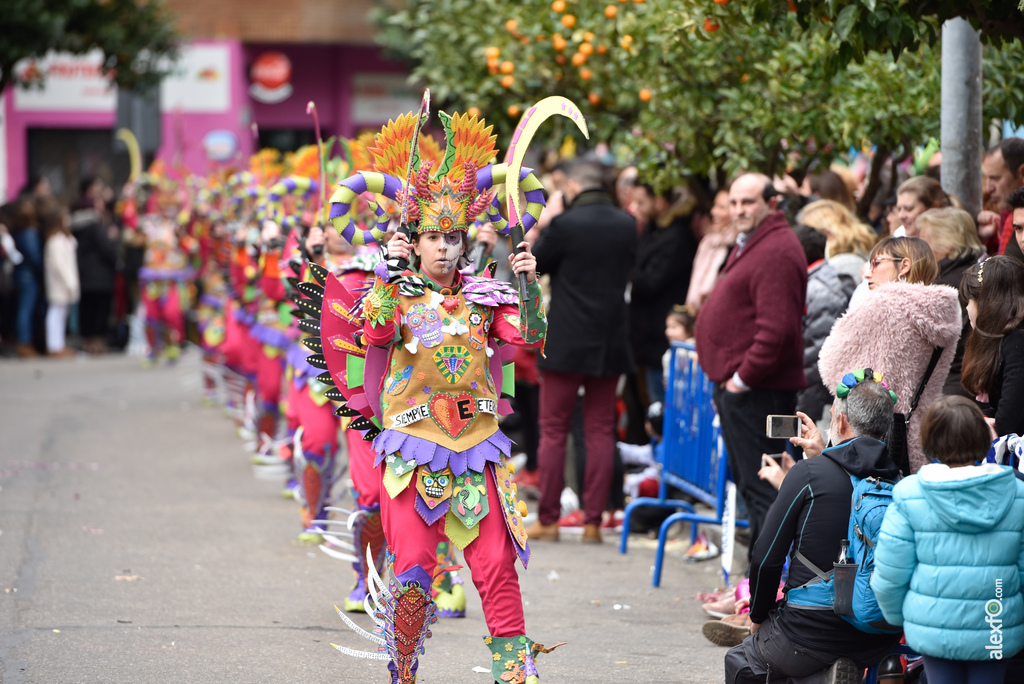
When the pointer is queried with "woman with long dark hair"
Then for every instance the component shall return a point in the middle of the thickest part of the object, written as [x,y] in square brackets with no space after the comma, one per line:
[994,355]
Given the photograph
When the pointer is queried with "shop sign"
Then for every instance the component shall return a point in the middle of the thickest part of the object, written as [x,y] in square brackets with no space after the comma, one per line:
[61,82]
[270,77]
[377,98]
[199,81]
[220,145]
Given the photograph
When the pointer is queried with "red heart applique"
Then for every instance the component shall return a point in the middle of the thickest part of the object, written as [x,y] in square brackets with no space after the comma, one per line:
[453,413]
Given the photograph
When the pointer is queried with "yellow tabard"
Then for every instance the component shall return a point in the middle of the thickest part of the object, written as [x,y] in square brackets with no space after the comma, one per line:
[438,385]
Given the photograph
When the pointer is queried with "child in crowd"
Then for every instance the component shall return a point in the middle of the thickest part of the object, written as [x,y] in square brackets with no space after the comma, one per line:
[949,560]
[678,328]
[60,270]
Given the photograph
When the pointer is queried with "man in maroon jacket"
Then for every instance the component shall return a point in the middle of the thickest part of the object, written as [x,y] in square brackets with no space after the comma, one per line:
[750,335]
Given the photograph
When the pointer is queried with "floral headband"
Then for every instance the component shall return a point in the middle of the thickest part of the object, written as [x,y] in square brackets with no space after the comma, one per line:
[850,380]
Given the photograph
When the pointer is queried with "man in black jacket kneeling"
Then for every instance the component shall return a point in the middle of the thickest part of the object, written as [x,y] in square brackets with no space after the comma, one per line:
[811,515]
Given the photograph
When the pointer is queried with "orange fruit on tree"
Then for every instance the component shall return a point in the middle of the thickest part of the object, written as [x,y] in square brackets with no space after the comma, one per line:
[586,48]
[588,37]
[610,11]
[513,111]
[473,111]
[594,99]
[558,42]
[507,81]
[507,67]
[560,59]
[492,52]
[639,2]
[623,2]
[579,59]
[744,78]
[710,25]
[492,68]
[586,74]
[645,95]
[493,62]
[626,42]
[558,6]
[723,3]
[511,25]
[541,38]
[792,6]
[602,49]
[568,20]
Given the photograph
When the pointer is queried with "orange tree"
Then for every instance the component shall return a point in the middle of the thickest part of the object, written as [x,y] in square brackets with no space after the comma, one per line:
[683,87]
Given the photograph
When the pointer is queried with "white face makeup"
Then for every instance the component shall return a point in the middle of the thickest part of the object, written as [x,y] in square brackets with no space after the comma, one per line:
[439,252]
[450,250]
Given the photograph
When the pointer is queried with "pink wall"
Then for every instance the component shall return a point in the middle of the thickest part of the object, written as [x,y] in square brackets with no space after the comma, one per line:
[17,127]
[321,73]
[186,131]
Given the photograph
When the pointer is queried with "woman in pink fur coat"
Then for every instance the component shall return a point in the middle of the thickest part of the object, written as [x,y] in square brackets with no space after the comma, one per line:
[896,328]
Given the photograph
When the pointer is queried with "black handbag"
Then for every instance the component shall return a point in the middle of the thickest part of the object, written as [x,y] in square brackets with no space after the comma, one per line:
[899,450]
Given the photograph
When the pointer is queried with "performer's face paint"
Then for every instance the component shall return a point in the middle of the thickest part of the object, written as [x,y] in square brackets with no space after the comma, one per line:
[438,252]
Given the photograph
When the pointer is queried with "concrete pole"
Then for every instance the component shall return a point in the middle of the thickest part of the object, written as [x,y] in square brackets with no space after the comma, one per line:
[961,113]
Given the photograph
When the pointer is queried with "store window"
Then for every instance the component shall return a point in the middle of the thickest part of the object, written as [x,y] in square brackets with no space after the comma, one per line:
[67,155]
[287,139]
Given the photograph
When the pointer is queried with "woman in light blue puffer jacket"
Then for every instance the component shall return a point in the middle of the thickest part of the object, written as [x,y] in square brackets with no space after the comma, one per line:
[949,565]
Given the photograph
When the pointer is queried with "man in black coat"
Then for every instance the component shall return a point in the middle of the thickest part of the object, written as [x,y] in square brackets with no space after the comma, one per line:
[661,279]
[588,252]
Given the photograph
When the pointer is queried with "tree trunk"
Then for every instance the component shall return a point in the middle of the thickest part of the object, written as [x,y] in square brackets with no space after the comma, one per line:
[961,113]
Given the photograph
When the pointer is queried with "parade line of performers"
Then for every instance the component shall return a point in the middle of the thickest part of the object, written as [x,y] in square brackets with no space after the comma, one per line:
[364,316]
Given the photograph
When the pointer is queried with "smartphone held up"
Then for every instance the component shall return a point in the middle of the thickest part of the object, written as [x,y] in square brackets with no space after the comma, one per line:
[782,427]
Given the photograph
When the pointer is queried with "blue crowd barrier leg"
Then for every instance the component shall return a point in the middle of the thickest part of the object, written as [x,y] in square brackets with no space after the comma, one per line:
[647,501]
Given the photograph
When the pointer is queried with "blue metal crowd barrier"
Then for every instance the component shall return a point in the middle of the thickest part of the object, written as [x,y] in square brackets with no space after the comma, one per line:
[692,458]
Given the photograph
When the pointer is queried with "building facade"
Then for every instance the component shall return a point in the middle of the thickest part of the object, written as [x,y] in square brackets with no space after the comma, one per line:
[249,63]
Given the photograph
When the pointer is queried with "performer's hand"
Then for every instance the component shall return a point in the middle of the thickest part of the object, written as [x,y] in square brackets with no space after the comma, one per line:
[754,626]
[488,236]
[315,238]
[399,247]
[524,262]
[810,439]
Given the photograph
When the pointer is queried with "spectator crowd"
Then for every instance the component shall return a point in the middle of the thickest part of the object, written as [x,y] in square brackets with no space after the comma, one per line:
[896,335]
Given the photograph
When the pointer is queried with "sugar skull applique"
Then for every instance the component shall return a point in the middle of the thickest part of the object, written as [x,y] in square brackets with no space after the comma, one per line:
[434,486]
[425,325]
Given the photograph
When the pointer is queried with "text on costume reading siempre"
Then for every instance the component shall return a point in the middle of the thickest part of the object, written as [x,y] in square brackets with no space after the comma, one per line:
[418,413]
[993,609]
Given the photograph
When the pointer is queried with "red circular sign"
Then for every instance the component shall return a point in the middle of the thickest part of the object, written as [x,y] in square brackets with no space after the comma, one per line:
[271,70]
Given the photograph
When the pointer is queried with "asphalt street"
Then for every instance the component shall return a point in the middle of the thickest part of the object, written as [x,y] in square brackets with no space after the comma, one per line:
[136,546]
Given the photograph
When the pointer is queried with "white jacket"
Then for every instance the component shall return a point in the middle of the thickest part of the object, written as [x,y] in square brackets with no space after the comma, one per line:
[60,267]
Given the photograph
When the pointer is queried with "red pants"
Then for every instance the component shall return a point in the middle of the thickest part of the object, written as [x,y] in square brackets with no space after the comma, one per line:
[557,400]
[163,312]
[319,424]
[360,467]
[240,350]
[269,372]
[490,557]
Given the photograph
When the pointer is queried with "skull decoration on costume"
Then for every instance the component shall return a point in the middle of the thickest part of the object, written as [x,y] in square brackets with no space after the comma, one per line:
[425,324]
[434,486]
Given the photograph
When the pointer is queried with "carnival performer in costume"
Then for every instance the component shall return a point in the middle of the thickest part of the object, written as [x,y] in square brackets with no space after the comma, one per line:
[418,360]
[166,274]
